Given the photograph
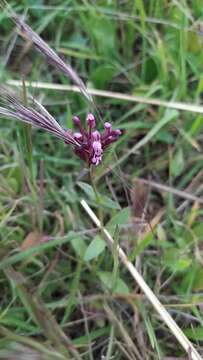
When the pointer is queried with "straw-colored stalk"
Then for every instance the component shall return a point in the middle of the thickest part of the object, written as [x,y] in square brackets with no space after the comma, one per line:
[112,95]
[166,317]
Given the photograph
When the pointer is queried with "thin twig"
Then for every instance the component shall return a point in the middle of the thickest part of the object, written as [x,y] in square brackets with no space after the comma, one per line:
[166,317]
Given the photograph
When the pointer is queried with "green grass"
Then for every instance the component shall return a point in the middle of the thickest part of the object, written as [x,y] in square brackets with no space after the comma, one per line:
[68,297]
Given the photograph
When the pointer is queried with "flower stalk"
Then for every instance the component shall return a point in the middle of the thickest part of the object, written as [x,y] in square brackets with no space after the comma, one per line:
[27,130]
[97,195]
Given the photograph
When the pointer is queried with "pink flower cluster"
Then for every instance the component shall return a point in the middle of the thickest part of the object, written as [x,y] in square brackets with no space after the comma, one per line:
[90,143]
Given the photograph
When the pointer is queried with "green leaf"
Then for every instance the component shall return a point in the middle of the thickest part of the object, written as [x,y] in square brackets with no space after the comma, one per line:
[198,280]
[151,70]
[177,163]
[165,136]
[79,246]
[146,241]
[14,321]
[11,260]
[120,286]
[104,200]
[174,259]
[194,42]
[88,190]
[197,232]
[95,248]
[102,75]
[93,335]
[141,9]
[121,218]
[103,31]
[107,202]
[196,333]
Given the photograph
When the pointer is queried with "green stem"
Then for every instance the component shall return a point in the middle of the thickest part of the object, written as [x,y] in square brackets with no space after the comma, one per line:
[27,130]
[27,160]
[97,195]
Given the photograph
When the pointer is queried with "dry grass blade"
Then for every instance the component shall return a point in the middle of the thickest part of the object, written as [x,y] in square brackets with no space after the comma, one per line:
[165,188]
[42,316]
[22,347]
[166,317]
[115,95]
[139,196]
[132,349]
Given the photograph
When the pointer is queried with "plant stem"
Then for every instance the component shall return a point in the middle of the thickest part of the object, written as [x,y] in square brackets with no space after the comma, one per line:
[27,159]
[97,195]
[27,135]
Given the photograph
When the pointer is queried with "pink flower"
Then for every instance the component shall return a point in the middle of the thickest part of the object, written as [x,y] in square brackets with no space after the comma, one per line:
[92,144]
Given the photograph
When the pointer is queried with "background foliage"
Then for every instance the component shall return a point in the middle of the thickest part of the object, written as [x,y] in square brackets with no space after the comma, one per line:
[69,297]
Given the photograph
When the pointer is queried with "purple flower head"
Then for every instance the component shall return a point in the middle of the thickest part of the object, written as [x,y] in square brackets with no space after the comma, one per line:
[93,143]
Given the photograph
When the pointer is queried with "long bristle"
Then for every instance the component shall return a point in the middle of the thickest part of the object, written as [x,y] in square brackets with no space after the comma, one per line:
[46,50]
[5,6]
[13,108]
[3,3]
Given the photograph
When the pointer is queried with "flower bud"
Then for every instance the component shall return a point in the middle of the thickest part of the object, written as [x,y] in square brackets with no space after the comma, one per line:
[77,136]
[117,132]
[76,121]
[97,147]
[108,129]
[91,120]
[96,135]
[108,126]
